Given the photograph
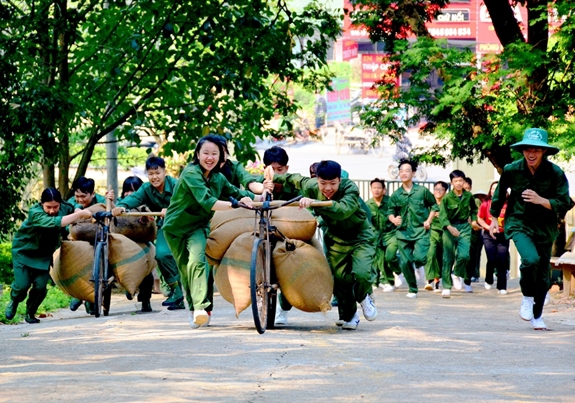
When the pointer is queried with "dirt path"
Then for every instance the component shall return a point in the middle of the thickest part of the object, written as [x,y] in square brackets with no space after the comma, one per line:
[473,347]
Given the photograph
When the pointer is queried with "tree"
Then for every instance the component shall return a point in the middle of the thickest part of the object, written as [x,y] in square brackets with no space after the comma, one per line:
[479,111]
[177,69]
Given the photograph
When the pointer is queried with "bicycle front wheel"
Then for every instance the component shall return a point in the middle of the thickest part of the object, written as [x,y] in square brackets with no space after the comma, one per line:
[98,277]
[260,284]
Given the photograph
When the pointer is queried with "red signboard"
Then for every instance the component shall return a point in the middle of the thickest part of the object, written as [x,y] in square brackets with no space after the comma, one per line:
[374,68]
[352,31]
[348,49]
[456,21]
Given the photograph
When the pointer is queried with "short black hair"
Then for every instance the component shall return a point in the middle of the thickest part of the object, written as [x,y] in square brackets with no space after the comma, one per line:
[131,184]
[444,185]
[411,163]
[468,180]
[51,194]
[328,170]
[456,174]
[155,162]
[84,185]
[210,138]
[224,142]
[313,170]
[377,180]
[275,154]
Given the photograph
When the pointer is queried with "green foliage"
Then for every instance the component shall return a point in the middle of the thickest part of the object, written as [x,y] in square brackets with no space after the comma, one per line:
[55,299]
[6,271]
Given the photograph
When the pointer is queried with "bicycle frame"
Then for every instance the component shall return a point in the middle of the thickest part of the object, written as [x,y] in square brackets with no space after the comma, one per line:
[100,273]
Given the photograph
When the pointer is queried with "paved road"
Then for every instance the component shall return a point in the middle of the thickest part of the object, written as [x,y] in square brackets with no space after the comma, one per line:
[473,347]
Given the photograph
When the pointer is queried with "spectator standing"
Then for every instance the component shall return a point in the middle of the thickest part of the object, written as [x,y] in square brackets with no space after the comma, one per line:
[435,254]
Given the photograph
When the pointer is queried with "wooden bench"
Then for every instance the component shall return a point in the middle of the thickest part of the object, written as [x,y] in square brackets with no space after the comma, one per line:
[566,263]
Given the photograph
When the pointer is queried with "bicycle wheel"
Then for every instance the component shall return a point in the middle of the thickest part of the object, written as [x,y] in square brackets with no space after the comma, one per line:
[259,284]
[98,277]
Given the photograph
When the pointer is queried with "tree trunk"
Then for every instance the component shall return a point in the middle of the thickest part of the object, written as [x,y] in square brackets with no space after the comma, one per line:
[538,37]
[48,176]
[504,21]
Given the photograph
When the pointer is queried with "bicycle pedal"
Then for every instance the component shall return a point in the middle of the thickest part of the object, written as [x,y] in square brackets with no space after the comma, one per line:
[111,280]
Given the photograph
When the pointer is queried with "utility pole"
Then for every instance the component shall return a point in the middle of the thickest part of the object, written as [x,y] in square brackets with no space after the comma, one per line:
[111,153]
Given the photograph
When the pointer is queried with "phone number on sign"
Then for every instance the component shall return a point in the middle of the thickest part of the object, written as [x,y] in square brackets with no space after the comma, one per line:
[459,32]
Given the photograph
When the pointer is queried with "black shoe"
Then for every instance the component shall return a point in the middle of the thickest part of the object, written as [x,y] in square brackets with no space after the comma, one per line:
[11,309]
[146,307]
[75,303]
[179,305]
[129,296]
[90,308]
[31,319]
[334,301]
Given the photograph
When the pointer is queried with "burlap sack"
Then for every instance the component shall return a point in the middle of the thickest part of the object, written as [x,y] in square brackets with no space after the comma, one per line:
[138,229]
[150,250]
[72,270]
[128,261]
[304,276]
[295,223]
[236,262]
[225,227]
[85,229]
[223,285]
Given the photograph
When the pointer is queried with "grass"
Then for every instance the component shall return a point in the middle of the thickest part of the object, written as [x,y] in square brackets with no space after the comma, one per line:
[55,300]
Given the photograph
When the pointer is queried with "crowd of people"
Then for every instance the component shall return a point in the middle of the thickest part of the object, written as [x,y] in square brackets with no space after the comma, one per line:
[388,240]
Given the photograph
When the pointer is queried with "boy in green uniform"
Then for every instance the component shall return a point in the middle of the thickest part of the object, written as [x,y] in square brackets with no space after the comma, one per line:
[84,194]
[435,254]
[187,223]
[539,194]
[386,262]
[32,249]
[411,209]
[348,238]
[457,211]
[156,194]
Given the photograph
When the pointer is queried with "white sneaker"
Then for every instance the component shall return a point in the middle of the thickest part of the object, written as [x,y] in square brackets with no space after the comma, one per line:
[538,324]
[436,286]
[502,292]
[339,322]
[487,286]
[281,317]
[428,287]
[352,324]
[411,295]
[398,279]
[526,310]
[457,282]
[547,299]
[200,318]
[446,293]
[388,288]
[468,288]
[368,308]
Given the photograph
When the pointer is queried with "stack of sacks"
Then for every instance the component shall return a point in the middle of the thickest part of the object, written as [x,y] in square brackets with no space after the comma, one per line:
[308,285]
[85,228]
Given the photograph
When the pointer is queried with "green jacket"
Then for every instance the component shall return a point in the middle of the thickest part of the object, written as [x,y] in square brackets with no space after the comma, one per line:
[282,191]
[97,199]
[379,218]
[39,237]
[194,196]
[345,220]
[237,175]
[549,181]
[455,210]
[436,223]
[414,208]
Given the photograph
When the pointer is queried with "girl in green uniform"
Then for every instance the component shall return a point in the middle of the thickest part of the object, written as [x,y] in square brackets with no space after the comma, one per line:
[32,249]
[187,223]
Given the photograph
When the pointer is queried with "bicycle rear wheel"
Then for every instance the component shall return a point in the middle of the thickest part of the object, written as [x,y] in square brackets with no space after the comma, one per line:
[98,277]
[260,284]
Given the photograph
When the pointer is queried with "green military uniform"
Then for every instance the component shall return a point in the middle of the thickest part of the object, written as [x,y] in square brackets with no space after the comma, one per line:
[412,237]
[386,262]
[187,226]
[150,196]
[435,254]
[348,239]
[236,174]
[32,248]
[532,227]
[456,211]
[95,200]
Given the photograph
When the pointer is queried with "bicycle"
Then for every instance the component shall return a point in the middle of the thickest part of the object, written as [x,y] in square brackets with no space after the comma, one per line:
[100,275]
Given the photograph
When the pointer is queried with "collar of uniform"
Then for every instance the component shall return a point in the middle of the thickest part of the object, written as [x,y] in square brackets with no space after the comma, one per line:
[543,167]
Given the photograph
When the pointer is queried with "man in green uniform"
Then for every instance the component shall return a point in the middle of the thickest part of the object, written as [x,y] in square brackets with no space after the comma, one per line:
[539,194]
[156,194]
[32,249]
[435,254]
[348,238]
[386,262]
[236,173]
[84,194]
[411,209]
[457,211]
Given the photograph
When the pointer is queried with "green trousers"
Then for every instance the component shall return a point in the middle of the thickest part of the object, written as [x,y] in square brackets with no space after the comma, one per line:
[435,255]
[196,274]
[165,258]
[412,252]
[24,278]
[386,262]
[456,250]
[535,272]
[351,265]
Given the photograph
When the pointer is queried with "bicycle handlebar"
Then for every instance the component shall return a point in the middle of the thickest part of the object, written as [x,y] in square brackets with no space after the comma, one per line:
[272,205]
